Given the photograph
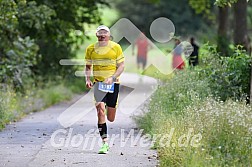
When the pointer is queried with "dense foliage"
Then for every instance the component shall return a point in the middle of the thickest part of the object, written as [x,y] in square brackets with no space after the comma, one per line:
[207,101]
[231,74]
[17,53]
[36,34]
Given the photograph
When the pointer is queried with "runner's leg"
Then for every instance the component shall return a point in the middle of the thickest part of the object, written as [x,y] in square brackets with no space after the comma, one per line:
[102,126]
[138,62]
[144,60]
[111,102]
[100,98]
[111,114]
[100,107]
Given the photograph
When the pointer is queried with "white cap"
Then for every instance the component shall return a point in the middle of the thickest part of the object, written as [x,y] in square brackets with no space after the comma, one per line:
[102,27]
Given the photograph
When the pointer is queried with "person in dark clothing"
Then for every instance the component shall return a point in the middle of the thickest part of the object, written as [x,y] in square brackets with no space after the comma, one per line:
[194,57]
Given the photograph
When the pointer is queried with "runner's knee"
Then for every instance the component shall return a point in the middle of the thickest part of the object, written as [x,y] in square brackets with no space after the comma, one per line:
[111,119]
[100,113]
[111,114]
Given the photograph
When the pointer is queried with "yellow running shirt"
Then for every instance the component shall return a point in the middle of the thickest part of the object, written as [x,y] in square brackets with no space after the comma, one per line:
[104,59]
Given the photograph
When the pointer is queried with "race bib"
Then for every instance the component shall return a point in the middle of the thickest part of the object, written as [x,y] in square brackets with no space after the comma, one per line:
[106,87]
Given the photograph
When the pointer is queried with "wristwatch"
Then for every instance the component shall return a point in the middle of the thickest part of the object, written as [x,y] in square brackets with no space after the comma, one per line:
[114,78]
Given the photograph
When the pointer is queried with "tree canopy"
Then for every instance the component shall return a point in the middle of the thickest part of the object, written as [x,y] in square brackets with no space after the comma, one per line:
[36,34]
[142,13]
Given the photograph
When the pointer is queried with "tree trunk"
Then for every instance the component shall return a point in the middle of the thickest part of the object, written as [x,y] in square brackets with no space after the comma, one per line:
[240,30]
[222,40]
[240,20]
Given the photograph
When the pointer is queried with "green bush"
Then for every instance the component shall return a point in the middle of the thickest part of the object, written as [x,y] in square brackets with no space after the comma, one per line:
[231,74]
[18,53]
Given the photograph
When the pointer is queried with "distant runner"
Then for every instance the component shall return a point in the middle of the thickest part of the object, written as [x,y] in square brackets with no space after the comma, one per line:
[143,46]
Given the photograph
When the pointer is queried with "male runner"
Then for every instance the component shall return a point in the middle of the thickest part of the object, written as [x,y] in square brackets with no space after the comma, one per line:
[105,58]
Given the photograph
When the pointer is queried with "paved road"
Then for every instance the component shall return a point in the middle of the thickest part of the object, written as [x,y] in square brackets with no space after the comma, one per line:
[40,139]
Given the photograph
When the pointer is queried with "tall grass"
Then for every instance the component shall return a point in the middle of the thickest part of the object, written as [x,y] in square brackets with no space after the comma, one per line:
[185,105]
[225,128]
[9,105]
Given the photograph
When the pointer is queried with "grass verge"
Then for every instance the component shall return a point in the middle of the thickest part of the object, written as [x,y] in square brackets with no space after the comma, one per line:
[196,129]
[14,105]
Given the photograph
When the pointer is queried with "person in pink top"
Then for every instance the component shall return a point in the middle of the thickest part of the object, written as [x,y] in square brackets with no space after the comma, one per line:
[143,46]
[178,62]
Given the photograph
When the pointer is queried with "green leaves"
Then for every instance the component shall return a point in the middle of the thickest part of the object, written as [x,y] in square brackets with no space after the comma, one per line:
[229,77]
[18,60]
[51,23]
[33,16]
[17,53]
[36,34]
[200,6]
[222,3]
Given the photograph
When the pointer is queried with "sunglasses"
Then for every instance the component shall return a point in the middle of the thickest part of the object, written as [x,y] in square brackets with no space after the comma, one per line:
[105,33]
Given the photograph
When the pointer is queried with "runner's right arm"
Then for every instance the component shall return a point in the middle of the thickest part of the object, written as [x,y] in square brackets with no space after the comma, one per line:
[89,83]
[88,68]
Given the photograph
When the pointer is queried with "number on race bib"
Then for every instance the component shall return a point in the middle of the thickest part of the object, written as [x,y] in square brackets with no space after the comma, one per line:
[106,87]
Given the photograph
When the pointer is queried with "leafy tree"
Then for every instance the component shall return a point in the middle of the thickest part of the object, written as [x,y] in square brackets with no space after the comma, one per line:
[17,53]
[240,30]
[53,24]
[240,21]
[36,34]
[142,13]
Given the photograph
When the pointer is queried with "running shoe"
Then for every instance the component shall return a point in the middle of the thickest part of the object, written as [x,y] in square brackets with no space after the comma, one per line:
[104,149]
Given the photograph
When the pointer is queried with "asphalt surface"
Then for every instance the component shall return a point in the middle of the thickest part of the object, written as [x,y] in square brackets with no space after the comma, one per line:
[52,138]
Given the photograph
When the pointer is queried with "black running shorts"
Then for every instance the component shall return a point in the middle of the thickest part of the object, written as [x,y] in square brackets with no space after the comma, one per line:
[109,98]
